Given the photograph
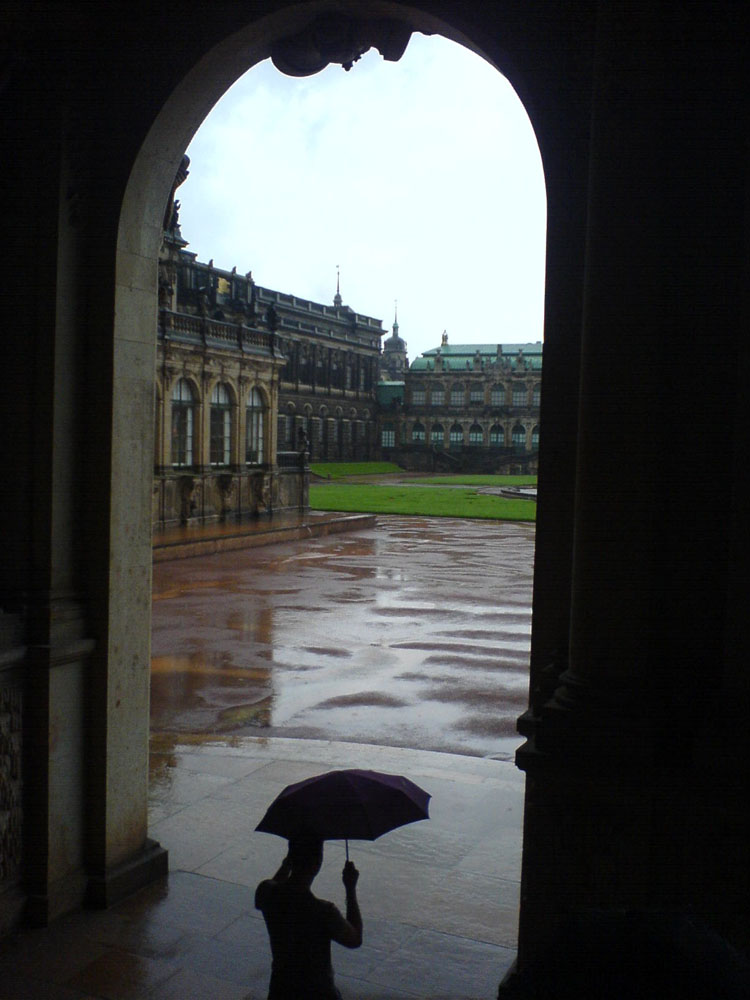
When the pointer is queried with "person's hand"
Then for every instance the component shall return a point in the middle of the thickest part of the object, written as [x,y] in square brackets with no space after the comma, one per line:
[349,876]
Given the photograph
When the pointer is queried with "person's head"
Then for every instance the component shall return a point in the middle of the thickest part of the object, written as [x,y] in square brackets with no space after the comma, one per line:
[305,856]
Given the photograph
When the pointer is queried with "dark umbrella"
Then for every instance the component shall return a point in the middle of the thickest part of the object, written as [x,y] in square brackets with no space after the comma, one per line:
[346,805]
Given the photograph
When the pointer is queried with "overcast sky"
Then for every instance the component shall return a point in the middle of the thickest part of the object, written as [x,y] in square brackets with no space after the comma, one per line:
[422,179]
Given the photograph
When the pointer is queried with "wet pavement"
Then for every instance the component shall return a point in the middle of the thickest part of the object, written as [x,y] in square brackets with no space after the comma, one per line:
[439,898]
[414,633]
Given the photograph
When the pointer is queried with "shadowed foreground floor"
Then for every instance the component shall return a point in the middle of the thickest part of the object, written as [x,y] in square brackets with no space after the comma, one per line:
[439,899]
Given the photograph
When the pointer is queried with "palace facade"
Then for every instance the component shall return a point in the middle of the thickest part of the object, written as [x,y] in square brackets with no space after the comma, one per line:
[327,384]
[473,407]
[250,384]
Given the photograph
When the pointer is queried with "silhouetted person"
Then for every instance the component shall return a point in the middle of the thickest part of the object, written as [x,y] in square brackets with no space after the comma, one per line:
[301,926]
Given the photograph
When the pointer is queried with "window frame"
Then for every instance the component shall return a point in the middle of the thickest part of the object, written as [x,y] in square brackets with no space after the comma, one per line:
[183,437]
[220,427]
[255,427]
[497,395]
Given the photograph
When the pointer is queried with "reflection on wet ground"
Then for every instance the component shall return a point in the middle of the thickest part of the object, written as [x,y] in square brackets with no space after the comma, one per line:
[414,633]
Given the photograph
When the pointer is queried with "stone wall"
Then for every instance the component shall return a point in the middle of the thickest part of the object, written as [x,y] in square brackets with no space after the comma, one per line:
[184,498]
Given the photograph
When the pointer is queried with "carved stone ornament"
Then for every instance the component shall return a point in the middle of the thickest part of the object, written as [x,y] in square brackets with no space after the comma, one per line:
[338,38]
[190,490]
[171,222]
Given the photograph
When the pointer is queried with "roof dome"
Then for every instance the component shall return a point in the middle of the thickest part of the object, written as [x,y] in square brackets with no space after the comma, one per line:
[394,343]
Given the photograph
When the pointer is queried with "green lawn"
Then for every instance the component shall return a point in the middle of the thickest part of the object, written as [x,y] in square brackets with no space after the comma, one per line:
[460,479]
[337,470]
[424,501]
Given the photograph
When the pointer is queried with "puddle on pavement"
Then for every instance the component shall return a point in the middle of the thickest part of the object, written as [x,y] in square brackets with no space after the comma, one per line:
[276,641]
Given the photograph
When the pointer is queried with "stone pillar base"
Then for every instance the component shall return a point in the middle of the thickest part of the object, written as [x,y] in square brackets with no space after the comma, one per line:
[44,904]
[148,865]
[12,906]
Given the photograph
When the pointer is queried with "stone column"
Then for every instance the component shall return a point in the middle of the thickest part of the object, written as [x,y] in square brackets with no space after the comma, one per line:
[615,724]
[271,423]
[58,629]
[239,430]
[202,443]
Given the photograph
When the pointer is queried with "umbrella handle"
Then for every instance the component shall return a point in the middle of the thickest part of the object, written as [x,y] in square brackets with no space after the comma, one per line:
[347,849]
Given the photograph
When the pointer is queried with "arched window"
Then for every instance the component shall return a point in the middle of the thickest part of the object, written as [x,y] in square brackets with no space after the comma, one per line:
[282,432]
[418,395]
[520,395]
[519,437]
[221,425]
[417,433]
[307,428]
[287,372]
[476,393]
[437,435]
[497,395]
[324,432]
[291,436]
[476,435]
[497,435]
[437,394]
[388,435]
[457,395]
[456,436]
[255,429]
[535,439]
[183,421]
[305,366]
[536,395]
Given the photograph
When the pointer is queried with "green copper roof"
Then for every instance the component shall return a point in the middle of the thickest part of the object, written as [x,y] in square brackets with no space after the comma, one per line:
[456,356]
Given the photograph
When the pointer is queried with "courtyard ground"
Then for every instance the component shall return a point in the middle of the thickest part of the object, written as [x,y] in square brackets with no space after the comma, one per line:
[379,649]
[414,633]
[439,898]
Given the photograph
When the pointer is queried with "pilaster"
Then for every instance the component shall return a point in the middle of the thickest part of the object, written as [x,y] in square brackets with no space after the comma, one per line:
[618,712]
[56,708]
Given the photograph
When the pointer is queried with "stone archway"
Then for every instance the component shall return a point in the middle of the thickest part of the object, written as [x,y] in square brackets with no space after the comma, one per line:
[139,235]
[627,104]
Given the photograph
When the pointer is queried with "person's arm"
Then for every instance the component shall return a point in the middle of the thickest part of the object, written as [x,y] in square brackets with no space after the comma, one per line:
[281,876]
[352,938]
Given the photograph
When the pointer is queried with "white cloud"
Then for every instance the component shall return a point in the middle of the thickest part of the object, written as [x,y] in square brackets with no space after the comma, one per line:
[421,179]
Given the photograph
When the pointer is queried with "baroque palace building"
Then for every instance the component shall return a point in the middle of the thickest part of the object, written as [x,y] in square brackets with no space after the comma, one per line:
[468,406]
[327,385]
[250,384]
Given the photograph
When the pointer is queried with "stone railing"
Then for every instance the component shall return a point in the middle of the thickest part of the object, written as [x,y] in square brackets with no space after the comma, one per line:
[197,330]
[291,459]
